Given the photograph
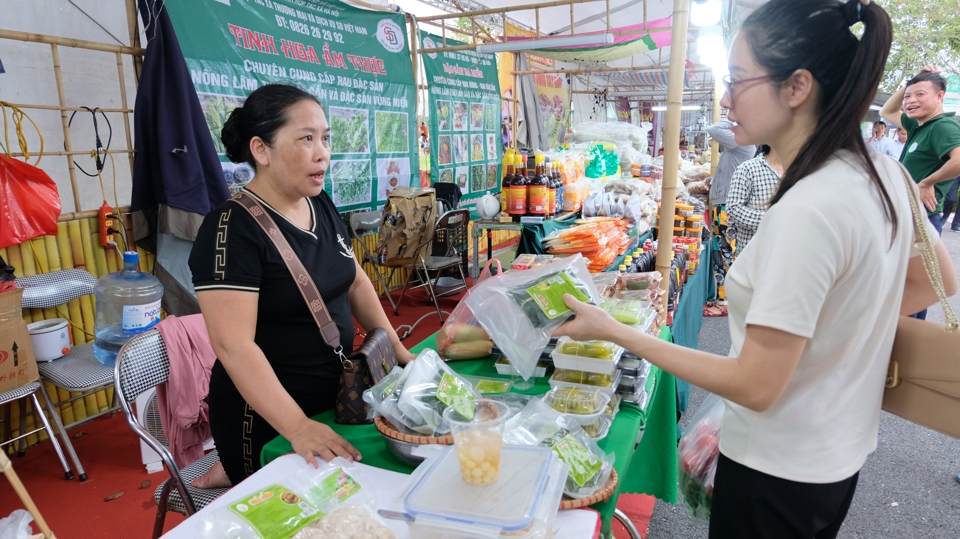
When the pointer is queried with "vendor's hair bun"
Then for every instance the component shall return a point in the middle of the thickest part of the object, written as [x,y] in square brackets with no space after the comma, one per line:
[262,115]
[238,150]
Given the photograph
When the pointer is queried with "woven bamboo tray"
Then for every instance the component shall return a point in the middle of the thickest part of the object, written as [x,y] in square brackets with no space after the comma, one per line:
[388,430]
[601,495]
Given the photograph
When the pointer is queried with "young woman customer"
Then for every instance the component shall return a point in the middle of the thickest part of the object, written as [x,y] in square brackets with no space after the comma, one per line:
[274,369]
[814,301]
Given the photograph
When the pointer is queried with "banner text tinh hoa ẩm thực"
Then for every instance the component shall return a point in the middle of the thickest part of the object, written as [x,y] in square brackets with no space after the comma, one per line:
[356,62]
[466,144]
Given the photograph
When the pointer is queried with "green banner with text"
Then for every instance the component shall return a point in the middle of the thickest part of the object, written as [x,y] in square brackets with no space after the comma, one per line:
[466,144]
[357,63]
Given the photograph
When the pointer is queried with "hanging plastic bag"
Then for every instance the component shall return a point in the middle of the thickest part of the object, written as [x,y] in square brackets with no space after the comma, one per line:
[520,310]
[461,336]
[698,454]
[29,202]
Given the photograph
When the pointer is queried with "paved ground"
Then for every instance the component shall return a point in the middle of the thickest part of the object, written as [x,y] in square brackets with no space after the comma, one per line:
[907,488]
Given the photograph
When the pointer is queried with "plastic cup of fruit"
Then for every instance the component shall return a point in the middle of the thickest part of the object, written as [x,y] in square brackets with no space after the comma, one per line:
[478,440]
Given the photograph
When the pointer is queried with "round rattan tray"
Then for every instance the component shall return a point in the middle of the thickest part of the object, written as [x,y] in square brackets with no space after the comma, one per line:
[601,495]
[388,430]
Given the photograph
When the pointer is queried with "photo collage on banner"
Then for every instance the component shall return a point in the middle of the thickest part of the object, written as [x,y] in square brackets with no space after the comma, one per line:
[465,129]
[355,61]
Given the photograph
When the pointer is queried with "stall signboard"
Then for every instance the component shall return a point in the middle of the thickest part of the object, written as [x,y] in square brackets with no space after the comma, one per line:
[951,100]
[622,108]
[356,62]
[466,145]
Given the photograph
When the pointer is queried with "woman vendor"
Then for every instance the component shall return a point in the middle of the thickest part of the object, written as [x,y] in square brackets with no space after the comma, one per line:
[274,369]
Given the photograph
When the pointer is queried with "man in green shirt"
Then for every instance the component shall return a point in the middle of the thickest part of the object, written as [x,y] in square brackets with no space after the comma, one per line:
[932,151]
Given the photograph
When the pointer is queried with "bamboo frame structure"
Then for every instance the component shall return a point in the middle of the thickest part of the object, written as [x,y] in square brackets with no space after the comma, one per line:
[671,153]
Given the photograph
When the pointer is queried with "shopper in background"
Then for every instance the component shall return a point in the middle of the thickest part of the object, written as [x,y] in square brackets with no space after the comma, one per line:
[754,184]
[731,157]
[876,140]
[274,370]
[815,300]
[894,146]
[932,155]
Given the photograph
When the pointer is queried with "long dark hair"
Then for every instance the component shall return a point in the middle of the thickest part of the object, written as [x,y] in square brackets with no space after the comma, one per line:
[787,35]
[262,115]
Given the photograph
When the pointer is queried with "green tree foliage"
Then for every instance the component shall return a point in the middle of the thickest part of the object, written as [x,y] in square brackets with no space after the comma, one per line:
[924,32]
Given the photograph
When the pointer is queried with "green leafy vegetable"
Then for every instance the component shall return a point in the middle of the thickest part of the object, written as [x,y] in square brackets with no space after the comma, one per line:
[491,117]
[352,182]
[349,131]
[478,178]
[392,132]
[446,176]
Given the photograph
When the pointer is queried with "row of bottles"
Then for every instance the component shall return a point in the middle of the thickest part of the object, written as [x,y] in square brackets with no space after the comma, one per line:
[540,194]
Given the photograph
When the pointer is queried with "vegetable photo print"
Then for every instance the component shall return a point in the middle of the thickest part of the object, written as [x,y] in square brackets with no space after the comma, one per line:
[349,130]
[391,130]
[352,182]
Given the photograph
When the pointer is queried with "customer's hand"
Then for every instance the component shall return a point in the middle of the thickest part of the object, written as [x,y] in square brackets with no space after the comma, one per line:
[929,68]
[314,439]
[589,323]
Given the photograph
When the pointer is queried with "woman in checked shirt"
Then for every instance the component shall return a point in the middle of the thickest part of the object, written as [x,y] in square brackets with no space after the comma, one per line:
[751,188]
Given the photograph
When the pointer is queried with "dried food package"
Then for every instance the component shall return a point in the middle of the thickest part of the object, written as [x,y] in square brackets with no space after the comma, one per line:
[520,310]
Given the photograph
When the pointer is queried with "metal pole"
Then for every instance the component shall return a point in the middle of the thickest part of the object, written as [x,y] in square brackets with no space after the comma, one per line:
[714,147]
[671,152]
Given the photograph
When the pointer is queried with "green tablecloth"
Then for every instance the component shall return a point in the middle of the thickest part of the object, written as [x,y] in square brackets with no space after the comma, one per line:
[651,469]
[688,319]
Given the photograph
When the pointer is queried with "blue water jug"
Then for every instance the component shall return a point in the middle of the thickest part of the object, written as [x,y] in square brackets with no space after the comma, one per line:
[128,303]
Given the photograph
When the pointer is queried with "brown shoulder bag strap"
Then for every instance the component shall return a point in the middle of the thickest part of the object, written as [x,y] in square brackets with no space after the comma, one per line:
[308,289]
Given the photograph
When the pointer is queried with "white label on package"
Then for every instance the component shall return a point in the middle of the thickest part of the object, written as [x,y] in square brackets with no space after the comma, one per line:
[139,318]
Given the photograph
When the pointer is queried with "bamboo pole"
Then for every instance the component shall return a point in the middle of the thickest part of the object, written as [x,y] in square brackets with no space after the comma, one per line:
[516,103]
[647,93]
[671,152]
[445,48]
[134,39]
[76,152]
[88,214]
[67,145]
[573,23]
[714,147]
[416,71]
[70,109]
[521,7]
[7,468]
[126,115]
[69,42]
[586,70]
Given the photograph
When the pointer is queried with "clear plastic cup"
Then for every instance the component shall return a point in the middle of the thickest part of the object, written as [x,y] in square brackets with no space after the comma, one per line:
[478,441]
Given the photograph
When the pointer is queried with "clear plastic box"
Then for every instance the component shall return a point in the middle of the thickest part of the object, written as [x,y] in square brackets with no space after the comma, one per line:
[580,405]
[585,363]
[588,380]
[503,367]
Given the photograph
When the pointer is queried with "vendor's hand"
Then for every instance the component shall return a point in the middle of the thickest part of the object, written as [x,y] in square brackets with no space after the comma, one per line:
[589,323]
[314,439]
[928,196]
[404,356]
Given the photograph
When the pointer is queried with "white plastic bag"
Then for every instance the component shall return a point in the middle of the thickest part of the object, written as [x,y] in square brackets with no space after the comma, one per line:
[420,404]
[519,337]
[17,525]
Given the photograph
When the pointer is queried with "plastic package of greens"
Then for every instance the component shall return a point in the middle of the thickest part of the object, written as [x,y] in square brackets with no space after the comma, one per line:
[429,387]
[698,453]
[520,310]
[384,391]
[626,311]
[642,281]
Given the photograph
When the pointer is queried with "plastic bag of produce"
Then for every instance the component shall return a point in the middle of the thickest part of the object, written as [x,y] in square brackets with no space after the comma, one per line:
[627,311]
[461,336]
[382,397]
[642,281]
[430,386]
[698,453]
[520,310]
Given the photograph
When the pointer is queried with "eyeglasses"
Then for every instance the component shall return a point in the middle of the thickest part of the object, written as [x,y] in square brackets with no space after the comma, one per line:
[729,84]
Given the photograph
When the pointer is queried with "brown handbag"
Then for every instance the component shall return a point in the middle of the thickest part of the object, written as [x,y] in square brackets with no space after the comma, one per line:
[361,369]
[923,380]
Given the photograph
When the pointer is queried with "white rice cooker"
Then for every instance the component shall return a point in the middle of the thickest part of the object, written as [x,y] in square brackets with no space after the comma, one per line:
[50,338]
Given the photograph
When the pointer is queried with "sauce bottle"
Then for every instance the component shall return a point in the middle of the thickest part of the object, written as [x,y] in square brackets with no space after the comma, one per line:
[538,191]
[508,177]
[518,190]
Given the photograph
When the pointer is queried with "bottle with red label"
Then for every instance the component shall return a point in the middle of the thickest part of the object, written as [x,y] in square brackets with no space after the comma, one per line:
[508,177]
[517,201]
[538,191]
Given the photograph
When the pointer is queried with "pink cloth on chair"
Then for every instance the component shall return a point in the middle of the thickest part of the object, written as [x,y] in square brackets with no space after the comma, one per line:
[183,399]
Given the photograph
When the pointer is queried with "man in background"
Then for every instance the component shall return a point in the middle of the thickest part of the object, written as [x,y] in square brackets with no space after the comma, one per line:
[951,204]
[894,146]
[876,140]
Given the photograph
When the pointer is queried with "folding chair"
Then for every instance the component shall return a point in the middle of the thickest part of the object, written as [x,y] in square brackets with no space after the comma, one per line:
[78,371]
[30,390]
[143,364]
[452,226]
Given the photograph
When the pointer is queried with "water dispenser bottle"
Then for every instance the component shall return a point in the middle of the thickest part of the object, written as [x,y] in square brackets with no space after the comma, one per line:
[128,303]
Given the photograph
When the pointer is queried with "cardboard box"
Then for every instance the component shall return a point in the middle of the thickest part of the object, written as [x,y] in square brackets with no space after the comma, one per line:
[18,366]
